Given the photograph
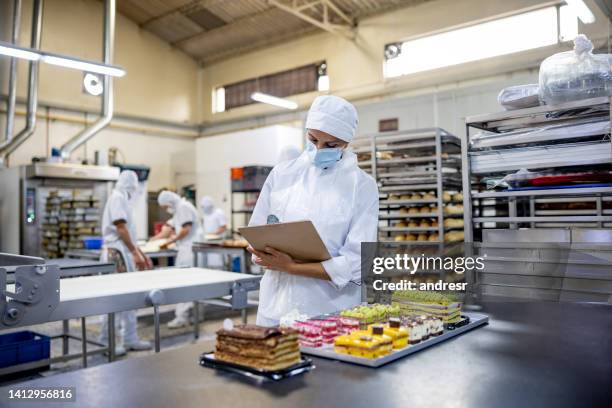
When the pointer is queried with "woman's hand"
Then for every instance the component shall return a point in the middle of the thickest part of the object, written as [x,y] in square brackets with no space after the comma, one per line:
[270,258]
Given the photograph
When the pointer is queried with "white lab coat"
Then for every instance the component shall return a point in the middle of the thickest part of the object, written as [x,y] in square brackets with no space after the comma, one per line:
[184,213]
[118,208]
[211,224]
[342,203]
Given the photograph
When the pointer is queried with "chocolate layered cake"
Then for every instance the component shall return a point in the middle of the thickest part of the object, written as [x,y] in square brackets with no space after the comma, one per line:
[263,348]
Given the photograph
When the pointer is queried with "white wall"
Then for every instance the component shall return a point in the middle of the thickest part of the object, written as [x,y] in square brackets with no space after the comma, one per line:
[136,147]
[160,80]
[183,165]
[216,155]
[355,67]
[441,107]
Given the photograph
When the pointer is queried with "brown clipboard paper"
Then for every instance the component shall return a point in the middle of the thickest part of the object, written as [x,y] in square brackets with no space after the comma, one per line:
[299,239]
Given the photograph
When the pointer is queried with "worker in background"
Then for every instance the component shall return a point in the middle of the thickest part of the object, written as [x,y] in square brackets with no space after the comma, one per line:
[323,185]
[214,220]
[120,248]
[214,224]
[185,222]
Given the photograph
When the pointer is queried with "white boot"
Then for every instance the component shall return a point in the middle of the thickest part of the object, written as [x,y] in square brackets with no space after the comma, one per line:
[178,322]
[137,345]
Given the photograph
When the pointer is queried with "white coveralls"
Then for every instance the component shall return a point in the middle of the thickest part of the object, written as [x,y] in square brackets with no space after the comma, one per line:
[342,203]
[213,219]
[118,207]
[184,213]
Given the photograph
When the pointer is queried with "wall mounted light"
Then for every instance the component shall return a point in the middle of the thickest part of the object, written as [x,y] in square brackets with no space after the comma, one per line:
[14,51]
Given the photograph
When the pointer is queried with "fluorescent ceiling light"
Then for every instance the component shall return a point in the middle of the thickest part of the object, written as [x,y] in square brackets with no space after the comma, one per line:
[11,50]
[16,52]
[583,11]
[83,65]
[494,38]
[273,100]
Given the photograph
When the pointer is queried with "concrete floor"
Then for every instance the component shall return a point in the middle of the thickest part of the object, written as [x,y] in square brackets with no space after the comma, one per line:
[170,338]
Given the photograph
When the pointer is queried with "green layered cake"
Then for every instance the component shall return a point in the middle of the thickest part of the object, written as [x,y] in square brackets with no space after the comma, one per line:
[441,306]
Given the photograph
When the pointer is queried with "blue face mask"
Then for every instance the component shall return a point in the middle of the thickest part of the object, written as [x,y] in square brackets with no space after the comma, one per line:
[323,158]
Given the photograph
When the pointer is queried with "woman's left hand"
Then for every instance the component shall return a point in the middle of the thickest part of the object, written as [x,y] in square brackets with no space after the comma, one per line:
[273,259]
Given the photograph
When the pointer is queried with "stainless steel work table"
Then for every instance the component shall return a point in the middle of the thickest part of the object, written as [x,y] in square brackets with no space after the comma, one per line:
[217,247]
[530,355]
[70,267]
[108,294]
[95,253]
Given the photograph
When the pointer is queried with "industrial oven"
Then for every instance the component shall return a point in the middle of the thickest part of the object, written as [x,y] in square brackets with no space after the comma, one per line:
[46,208]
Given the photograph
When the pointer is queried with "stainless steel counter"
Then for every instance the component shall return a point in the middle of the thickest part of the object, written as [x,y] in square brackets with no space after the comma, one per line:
[530,355]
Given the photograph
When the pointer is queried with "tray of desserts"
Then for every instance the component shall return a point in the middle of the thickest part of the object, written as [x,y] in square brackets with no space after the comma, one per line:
[270,353]
[303,366]
[399,337]
[376,334]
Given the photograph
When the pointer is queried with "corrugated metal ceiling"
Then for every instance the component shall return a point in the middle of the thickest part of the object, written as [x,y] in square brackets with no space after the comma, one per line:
[210,30]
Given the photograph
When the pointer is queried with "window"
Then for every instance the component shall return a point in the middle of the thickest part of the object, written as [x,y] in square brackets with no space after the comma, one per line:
[521,32]
[308,78]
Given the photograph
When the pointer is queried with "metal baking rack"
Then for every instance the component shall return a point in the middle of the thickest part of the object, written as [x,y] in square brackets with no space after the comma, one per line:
[413,170]
[569,206]
[515,227]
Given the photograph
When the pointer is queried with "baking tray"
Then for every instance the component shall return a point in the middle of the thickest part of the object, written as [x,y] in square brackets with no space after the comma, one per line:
[304,366]
[327,351]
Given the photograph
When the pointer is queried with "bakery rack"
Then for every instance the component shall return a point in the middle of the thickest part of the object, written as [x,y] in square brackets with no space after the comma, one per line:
[522,226]
[418,173]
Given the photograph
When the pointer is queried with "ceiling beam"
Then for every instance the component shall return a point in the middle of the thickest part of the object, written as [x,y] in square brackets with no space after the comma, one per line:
[328,9]
[229,26]
[184,9]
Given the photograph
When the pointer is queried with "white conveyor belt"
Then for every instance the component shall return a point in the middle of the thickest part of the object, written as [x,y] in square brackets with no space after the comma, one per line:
[130,282]
[107,294]
[103,294]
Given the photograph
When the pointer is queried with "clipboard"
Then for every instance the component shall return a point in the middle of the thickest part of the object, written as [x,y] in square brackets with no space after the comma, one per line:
[299,239]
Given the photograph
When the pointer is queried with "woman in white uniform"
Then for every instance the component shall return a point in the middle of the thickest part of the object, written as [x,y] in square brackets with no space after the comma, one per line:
[323,185]
[119,233]
[214,224]
[186,225]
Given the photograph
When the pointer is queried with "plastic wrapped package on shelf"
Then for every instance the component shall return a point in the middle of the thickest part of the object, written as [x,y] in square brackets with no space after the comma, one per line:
[574,75]
[556,163]
[519,96]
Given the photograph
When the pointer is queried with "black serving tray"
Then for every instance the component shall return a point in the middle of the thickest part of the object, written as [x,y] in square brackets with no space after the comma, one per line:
[452,326]
[304,366]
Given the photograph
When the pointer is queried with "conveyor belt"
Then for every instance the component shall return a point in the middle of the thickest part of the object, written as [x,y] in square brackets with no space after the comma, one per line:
[102,294]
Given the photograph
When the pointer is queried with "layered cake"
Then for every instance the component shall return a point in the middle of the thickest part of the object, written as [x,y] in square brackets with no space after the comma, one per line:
[329,328]
[363,344]
[309,335]
[437,305]
[347,325]
[398,334]
[368,314]
[263,348]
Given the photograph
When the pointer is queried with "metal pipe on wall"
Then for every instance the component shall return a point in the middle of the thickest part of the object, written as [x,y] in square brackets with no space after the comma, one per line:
[12,143]
[12,86]
[107,95]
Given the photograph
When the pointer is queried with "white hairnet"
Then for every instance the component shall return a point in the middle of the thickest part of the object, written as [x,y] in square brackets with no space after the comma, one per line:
[168,198]
[127,182]
[289,153]
[206,203]
[333,115]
